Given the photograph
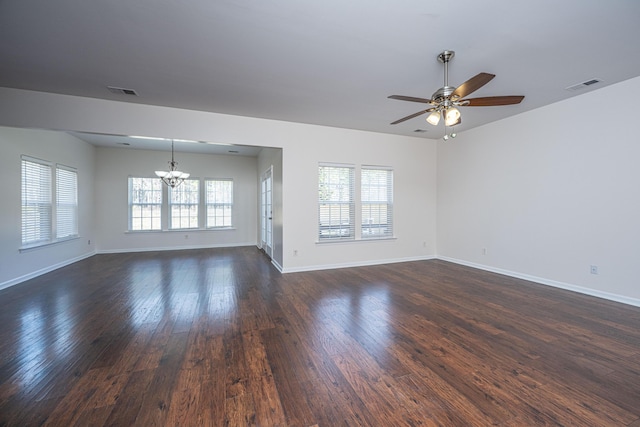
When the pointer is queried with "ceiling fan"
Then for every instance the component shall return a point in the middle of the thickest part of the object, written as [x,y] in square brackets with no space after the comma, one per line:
[446,100]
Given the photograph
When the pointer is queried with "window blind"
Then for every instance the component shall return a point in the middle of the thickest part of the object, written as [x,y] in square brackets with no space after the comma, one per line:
[36,201]
[66,202]
[336,202]
[376,195]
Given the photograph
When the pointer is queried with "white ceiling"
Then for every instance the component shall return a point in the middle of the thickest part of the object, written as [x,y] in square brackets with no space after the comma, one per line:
[324,62]
[151,143]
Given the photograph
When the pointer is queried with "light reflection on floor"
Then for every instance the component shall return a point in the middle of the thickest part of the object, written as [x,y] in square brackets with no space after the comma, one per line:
[181,287]
[362,315]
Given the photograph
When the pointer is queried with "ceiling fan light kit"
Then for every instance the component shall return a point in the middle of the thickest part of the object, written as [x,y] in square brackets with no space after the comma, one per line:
[446,100]
[434,118]
[452,116]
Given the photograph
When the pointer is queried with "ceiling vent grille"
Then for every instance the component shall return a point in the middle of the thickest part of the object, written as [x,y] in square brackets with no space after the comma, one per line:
[583,85]
[122,91]
[420,131]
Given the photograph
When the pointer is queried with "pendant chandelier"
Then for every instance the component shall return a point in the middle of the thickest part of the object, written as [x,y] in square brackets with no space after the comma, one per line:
[173,177]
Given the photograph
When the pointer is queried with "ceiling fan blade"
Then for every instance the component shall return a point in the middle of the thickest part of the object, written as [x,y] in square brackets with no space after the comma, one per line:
[412,116]
[412,99]
[490,101]
[472,85]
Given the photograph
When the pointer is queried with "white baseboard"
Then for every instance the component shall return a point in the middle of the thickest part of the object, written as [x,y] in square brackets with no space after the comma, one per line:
[44,270]
[355,264]
[173,248]
[277,265]
[553,283]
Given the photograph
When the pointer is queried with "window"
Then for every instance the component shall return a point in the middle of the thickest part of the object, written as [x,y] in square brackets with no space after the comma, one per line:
[376,196]
[36,202]
[145,203]
[337,197]
[336,202]
[44,222]
[183,205]
[219,202]
[66,202]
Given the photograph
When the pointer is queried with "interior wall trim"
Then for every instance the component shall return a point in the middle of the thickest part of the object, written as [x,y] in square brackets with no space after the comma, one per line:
[355,264]
[44,270]
[566,286]
[174,248]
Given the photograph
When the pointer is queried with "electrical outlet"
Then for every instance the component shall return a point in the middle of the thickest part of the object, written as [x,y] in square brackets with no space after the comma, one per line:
[594,269]
[295,252]
[484,251]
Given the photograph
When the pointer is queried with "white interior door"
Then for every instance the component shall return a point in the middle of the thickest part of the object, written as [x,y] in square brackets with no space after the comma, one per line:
[266,214]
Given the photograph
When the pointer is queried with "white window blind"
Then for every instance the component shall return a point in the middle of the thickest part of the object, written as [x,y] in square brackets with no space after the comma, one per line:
[336,206]
[145,204]
[376,196]
[219,202]
[183,205]
[36,202]
[66,202]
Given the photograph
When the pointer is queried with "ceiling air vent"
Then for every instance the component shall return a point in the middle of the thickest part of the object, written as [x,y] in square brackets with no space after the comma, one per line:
[420,131]
[121,91]
[583,85]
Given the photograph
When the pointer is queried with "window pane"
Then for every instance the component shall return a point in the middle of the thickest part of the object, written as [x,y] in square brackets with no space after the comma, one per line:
[183,204]
[219,202]
[336,206]
[36,202]
[145,203]
[66,203]
[377,202]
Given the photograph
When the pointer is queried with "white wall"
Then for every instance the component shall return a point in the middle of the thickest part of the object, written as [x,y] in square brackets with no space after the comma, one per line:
[413,162]
[115,165]
[549,193]
[303,147]
[56,147]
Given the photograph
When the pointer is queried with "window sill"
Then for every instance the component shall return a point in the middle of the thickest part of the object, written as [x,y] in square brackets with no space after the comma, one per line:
[361,240]
[180,230]
[28,248]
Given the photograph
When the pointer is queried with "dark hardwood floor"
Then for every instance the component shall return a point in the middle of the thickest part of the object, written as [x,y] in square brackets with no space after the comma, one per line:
[220,338]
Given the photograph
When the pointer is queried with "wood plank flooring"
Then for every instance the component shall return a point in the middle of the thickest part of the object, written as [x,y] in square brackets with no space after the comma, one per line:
[219,338]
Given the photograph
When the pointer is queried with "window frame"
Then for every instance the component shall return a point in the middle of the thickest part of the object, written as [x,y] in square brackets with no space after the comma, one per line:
[36,202]
[382,198]
[66,201]
[55,199]
[131,204]
[226,204]
[331,205]
[184,205]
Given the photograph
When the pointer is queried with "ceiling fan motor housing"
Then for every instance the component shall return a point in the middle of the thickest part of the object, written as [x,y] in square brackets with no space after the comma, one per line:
[442,94]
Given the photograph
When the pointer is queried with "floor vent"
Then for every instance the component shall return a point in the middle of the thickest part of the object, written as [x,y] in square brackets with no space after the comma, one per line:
[583,85]
[121,91]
